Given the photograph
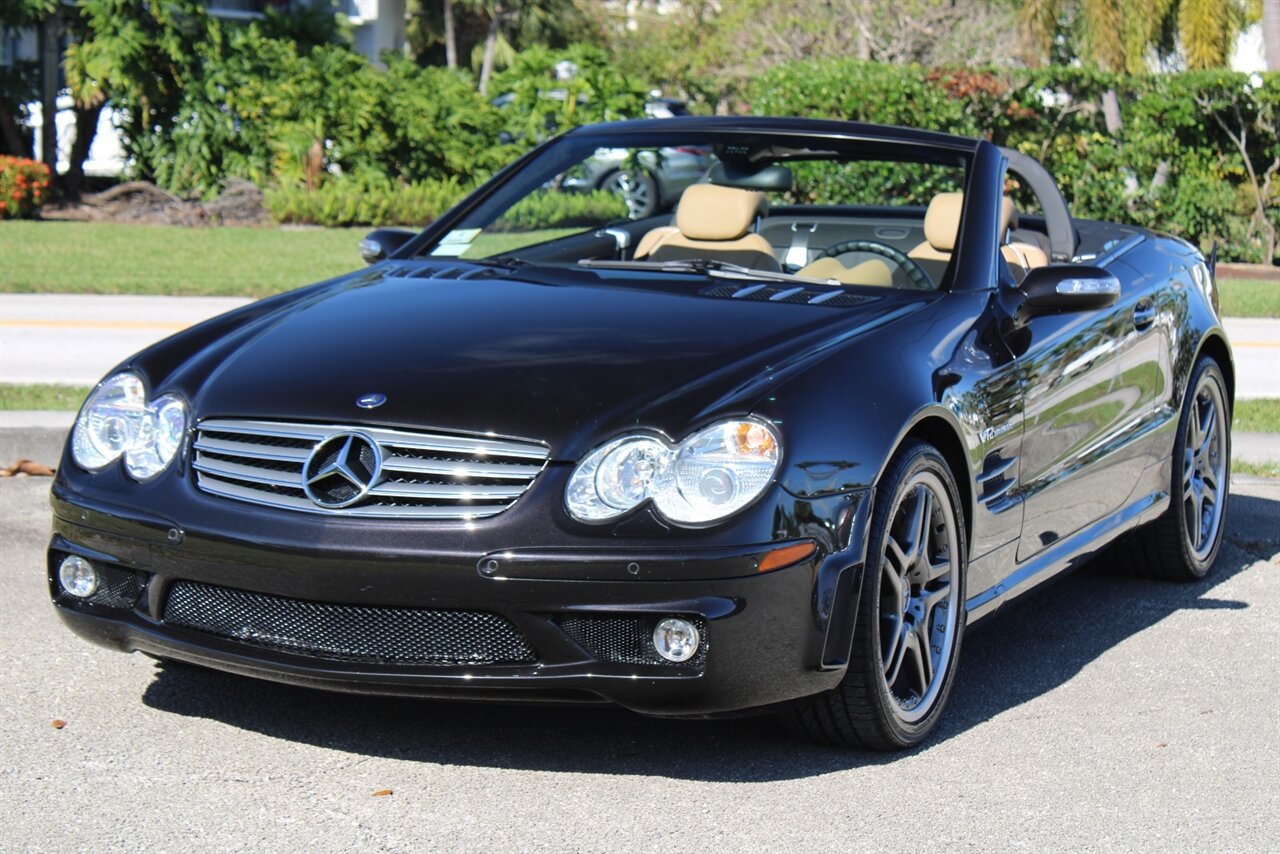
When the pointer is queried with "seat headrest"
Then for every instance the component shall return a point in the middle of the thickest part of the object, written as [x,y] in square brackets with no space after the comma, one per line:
[942,219]
[709,212]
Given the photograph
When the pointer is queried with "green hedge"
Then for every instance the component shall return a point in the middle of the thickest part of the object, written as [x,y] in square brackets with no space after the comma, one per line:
[348,203]
[1174,165]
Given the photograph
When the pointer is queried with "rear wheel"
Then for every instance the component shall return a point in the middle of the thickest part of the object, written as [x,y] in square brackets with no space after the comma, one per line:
[910,614]
[1183,543]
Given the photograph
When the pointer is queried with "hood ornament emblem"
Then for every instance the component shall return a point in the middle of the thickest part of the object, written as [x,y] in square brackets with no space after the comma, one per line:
[371,401]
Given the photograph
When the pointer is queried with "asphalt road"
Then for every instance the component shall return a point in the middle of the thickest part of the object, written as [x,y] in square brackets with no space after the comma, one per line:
[59,338]
[1105,714]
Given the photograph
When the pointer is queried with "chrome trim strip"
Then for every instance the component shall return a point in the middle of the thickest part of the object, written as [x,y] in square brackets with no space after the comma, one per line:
[447,491]
[460,468]
[215,486]
[251,473]
[248,449]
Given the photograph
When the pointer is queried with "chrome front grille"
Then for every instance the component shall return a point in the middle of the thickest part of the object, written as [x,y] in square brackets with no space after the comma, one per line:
[421,475]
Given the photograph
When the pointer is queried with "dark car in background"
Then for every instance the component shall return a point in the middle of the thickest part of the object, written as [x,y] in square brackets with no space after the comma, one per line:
[774,451]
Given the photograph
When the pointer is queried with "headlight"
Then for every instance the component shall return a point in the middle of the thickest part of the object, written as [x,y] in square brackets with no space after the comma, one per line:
[710,475]
[118,422]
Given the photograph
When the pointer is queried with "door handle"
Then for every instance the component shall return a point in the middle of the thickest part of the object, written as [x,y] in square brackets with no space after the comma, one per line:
[1144,314]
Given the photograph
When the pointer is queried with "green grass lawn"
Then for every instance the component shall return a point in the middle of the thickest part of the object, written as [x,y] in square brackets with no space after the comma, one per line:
[1257,416]
[113,258]
[42,396]
[1250,297]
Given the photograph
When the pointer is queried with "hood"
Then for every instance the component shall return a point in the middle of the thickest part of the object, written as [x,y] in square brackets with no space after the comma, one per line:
[566,360]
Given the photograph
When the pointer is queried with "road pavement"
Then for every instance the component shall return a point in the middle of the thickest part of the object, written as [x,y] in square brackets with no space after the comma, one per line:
[1106,714]
[59,338]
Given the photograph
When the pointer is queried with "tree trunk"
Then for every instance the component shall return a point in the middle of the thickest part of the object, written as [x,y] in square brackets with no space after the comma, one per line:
[1271,33]
[48,41]
[86,129]
[490,47]
[450,37]
[1111,111]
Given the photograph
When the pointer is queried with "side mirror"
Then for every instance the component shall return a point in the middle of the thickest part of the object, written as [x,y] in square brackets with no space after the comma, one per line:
[1064,287]
[381,244]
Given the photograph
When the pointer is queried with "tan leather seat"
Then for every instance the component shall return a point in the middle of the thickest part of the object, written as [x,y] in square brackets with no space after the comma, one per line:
[652,239]
[714,223]
[872,272]
[942,227]
[1023,258]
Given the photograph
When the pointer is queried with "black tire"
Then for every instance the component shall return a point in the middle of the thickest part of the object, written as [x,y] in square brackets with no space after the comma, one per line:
[864,711]
[1167,548]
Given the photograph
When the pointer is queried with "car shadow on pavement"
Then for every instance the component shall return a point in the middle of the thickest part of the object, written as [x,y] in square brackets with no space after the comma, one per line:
[1019,654]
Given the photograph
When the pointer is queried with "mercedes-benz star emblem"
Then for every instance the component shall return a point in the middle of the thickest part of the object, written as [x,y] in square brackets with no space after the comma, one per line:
[341,470]
[371,401]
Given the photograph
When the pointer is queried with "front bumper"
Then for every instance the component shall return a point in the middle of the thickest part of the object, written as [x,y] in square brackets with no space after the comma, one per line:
[769,637]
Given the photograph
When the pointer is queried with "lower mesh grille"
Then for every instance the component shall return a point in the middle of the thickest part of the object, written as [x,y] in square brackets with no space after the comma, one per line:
[627,640]
[347,632]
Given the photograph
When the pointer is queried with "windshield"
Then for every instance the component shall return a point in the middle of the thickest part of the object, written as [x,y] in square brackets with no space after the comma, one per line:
[842,211]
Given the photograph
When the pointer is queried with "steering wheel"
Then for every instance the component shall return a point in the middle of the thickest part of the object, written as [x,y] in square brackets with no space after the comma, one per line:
[909,265]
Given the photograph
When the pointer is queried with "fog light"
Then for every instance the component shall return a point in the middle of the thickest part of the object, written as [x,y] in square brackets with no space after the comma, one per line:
[676,639]
[78,577]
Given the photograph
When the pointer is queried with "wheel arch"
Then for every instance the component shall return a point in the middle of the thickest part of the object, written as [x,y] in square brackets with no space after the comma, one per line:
[937,430]
[1215,346]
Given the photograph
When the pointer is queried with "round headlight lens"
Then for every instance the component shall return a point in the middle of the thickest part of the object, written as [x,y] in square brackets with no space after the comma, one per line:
[160,439]
[629,472]
[720,470]
[710,475]
[117,422]
[110,422]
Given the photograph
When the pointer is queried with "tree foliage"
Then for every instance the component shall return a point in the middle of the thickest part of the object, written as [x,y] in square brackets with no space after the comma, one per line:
[1199,154]
[1123,35]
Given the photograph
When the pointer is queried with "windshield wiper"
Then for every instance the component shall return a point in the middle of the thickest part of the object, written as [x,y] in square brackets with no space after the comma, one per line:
[710,267]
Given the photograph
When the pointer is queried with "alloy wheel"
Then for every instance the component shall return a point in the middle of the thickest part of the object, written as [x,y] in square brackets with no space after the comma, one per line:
[1204,462]
[920,568]
[635,191]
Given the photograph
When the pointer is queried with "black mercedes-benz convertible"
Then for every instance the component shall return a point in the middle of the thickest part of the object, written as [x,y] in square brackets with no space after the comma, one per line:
[773,450]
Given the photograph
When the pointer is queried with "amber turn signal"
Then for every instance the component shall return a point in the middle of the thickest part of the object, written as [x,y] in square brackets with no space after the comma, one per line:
[785,556]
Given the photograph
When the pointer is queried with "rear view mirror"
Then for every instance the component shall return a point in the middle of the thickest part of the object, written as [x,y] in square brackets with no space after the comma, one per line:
[1065,287]
[383,243]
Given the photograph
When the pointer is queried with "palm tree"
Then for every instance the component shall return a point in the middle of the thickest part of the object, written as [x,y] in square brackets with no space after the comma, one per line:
[1118,35]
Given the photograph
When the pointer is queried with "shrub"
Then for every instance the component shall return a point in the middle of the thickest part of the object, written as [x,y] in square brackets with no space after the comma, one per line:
[349,203]
[554,209]
[24,186]
[1192,157]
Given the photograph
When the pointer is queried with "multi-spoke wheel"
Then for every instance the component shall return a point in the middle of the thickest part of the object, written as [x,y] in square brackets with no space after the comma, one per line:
[910,614]
[637,189]
[1183,543]
[919,571]
[1204,467]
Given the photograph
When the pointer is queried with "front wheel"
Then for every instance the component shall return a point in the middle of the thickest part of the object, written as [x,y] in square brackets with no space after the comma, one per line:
[910,613]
